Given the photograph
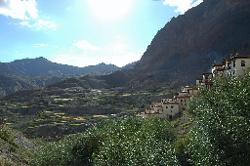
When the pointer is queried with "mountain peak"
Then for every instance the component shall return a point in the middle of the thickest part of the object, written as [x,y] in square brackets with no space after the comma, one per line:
[41,59]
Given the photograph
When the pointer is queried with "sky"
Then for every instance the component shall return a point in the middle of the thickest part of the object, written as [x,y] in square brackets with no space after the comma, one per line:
[83,32]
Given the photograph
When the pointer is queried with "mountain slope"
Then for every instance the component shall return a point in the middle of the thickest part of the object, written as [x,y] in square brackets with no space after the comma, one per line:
[15,149]
[43,67]
[37,73]
[190,43]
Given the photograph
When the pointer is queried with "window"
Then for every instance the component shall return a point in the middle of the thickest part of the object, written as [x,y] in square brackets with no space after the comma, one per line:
[234,63]
[243,63]
[172,106]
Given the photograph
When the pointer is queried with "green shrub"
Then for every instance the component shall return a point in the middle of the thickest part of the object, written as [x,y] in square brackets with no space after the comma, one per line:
[221,135]
[5,162]
[129,141]
[8,136]
[137,142]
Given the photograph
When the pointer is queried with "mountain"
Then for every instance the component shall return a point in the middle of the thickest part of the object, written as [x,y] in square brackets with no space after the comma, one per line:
[130,66]
[184,48]
[43,67]
[37,73]
[189,44]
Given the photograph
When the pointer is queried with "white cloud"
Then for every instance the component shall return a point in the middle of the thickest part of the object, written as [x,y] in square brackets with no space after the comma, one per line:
[85,45]
[39,24]
[27,13]
[19,9]
[182,5]
[117,52]
[40,45]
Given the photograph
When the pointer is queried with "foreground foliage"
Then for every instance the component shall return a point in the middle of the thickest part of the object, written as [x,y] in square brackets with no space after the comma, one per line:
[128,141]
[221,135]
[15,149]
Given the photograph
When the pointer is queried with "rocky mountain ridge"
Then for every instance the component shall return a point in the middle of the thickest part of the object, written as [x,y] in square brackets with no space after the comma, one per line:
[190,43]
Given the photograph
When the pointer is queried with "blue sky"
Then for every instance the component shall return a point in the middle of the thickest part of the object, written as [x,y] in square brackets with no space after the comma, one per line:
[83,32]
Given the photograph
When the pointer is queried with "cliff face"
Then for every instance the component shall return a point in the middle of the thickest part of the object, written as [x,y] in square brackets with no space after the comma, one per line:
[190,43]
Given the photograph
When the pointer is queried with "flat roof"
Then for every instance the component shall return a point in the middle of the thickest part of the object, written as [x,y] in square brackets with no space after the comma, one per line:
[215,65]
[220,69]
[182,93]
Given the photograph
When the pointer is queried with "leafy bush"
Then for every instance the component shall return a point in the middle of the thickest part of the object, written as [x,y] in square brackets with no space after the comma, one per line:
[129,141]
[137,142]
[8,136]
[221,135]
[5,162]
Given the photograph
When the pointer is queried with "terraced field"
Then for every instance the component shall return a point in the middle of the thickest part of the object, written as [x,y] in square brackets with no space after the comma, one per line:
[54,112]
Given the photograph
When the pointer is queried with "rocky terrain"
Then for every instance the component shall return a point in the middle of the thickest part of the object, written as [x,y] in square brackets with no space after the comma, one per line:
[189,44]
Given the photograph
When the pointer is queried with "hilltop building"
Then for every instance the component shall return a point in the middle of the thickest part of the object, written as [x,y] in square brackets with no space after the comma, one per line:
[218,70]
[237,65]
[171,108]
[206,81]
[182,99]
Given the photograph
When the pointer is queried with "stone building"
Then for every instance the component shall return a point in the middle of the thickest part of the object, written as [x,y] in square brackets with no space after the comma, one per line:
[170,109]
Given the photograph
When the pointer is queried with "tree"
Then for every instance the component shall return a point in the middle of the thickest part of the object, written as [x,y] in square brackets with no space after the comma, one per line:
[221,135]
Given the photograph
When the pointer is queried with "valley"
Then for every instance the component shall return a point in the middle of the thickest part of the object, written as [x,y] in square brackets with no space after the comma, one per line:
[186,102]
[55,112]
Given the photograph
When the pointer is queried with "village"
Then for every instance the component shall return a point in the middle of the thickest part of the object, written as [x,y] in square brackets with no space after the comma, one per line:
[237,65]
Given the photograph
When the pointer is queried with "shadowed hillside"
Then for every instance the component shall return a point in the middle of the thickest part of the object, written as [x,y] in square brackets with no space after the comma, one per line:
[190,43]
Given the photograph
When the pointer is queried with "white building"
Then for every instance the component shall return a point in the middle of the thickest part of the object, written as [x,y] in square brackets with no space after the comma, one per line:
[155,108]
[205,81]
[238,65]
[182,98]
[170,109]
[218,70]
[193,91]
[198,82]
